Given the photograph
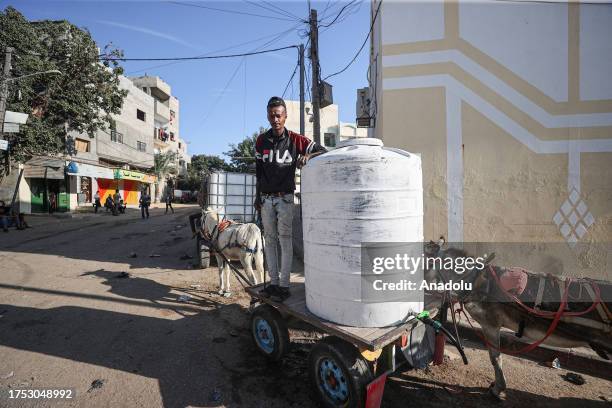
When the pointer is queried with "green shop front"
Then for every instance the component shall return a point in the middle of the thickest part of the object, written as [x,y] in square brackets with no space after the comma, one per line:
[46,179]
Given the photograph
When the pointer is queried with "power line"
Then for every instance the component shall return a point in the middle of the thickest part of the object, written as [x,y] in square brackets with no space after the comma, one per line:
[278,37]
[220,96]
[285,11]
[362,45]
[339,14]
[246,54]
[292,91]
[291,79]
[277,10]
[245,99]
[323,16]
[354,10]
[221,50]
[229,11]
[308,82]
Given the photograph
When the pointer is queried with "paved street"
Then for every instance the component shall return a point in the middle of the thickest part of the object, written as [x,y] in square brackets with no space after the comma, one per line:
[68,320]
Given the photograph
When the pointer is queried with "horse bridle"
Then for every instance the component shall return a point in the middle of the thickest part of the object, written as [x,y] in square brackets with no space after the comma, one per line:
[206,235]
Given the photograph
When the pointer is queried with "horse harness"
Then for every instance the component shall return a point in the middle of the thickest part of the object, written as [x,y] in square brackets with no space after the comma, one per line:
[482,285]
[211,240]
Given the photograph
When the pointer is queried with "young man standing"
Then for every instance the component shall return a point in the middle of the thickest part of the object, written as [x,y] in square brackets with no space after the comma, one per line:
[278,152]
[97,201]
[145,202]
[169,202]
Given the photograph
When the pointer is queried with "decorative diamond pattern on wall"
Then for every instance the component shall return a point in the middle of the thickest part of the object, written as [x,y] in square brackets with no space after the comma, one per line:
[573,218]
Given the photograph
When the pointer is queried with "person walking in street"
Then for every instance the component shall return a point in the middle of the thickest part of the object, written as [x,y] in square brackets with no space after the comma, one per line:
[278,152]
[169,202]
[97,201]
[145,202]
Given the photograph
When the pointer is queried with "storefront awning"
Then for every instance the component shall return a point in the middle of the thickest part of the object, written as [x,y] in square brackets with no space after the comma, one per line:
[122,174]
[44,167]
[90,170]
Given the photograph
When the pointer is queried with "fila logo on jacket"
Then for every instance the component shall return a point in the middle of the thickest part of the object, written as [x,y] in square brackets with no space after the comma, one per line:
[274,155]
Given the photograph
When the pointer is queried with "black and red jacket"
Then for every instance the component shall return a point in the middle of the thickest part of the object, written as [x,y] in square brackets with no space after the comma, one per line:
[276,160]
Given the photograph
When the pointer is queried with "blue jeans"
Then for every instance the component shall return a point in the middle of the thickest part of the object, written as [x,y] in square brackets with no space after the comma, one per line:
[277,219]
[4,221]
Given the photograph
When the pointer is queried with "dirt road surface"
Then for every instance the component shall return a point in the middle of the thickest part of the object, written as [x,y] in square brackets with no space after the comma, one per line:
[69,320]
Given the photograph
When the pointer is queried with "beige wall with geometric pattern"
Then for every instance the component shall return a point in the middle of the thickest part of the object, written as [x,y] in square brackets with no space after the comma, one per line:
[516,141]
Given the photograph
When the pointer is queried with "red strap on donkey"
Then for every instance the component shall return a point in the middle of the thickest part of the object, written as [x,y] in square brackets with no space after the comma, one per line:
[544,313]
[555,315]
[532,346]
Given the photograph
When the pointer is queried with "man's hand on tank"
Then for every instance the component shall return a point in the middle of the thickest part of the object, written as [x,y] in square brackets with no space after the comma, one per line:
[302,160]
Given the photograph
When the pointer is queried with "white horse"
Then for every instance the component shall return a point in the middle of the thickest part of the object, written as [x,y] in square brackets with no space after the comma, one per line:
[236,241]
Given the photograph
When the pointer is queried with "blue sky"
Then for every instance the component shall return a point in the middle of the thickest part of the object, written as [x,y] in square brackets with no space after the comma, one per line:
[222,100]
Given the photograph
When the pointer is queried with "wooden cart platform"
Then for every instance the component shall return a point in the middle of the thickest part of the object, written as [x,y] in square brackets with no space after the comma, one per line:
[371,339]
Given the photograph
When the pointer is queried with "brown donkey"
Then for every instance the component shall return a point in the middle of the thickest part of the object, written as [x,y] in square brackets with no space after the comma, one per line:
[532,305]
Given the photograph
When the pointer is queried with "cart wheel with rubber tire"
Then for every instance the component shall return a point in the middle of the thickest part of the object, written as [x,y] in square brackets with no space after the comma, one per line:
[269,332]
[203,253]
[338,373]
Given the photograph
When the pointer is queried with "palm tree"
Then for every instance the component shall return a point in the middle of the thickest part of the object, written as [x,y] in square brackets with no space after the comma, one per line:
[164,164]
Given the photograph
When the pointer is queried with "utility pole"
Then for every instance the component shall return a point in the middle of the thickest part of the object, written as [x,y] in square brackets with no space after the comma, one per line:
[302,113]
[314,59]
[6,73]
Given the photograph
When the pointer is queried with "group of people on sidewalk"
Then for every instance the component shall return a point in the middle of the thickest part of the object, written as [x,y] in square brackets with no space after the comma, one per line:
[10,218]
[113,203]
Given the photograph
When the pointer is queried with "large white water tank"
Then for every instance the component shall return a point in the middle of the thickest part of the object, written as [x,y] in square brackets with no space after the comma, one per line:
[359,192]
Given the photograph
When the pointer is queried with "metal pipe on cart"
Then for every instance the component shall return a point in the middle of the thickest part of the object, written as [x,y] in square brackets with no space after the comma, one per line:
[442,318]
[259,223]
[425,318]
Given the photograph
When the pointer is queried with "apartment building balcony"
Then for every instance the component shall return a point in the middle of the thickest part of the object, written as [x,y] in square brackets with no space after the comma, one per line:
[162,112]
[161,138]
[154,86]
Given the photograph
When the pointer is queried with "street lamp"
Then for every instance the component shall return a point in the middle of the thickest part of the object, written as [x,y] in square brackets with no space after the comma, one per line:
[4,96]
[51,71]
[4,91]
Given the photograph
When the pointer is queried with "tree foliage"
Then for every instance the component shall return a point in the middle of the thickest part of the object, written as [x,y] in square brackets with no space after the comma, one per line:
[81,99]
[200,166]
[164,164]
[242,155]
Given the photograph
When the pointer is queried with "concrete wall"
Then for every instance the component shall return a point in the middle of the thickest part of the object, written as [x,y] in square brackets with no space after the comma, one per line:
[7,189]
[133,129]
[351,131]
[329,119]
[510,105]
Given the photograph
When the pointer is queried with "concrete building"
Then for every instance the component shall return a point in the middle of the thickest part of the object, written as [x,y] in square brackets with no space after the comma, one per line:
[332,130]
[118,158]
[166,135]
[510,106]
